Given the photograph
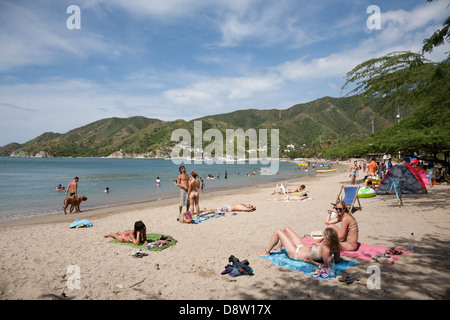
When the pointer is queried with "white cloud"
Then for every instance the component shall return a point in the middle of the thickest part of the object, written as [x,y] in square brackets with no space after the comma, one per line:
[217,93]
[268,24]
[228,75]
[421,16]
[401,30]
[31,36]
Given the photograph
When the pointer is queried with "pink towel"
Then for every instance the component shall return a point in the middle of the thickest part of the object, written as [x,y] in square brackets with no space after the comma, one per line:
[364,252]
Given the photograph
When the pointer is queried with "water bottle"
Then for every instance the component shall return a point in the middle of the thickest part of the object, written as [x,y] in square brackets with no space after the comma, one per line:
[411,247]
[331,269]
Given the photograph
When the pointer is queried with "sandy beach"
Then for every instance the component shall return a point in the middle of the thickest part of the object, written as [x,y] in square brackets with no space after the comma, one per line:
[35,254]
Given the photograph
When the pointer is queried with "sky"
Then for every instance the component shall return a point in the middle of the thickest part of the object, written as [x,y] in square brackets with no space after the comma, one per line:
[65,64]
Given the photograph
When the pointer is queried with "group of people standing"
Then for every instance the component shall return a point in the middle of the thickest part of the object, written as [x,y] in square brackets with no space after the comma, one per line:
[374,169]
[189,192]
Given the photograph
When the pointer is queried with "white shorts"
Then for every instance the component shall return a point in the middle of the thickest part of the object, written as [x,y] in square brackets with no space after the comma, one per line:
[224,209]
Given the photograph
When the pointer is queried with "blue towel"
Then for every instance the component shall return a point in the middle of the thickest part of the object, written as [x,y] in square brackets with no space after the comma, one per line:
[80,224]
[204,218]
[280,258]
[213,216]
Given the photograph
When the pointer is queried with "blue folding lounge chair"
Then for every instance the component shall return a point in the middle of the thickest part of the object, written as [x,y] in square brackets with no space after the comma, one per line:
[350,197]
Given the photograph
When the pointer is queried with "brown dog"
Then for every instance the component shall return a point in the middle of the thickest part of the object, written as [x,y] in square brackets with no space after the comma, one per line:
[74,203]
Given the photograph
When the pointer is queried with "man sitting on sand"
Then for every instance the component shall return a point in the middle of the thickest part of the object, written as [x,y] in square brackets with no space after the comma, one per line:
[233,207]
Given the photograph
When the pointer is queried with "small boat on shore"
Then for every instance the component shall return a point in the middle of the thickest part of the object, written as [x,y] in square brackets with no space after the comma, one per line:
[330,170]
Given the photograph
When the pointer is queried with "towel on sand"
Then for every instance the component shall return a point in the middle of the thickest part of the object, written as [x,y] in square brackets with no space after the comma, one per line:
[211,216]
[208,217]
[280,258]
[151,238]
[364,252]
[80,224]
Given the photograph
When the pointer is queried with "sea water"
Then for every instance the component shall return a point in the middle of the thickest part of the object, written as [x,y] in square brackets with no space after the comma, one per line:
[28,185]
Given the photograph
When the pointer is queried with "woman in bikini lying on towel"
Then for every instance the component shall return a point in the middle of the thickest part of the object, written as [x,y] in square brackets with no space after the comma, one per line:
[138,236]
[348,233]
[289,198]
[297,250]
[299,189]
[233,207]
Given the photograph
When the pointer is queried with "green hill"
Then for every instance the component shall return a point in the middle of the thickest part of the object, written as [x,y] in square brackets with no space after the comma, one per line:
[321,122]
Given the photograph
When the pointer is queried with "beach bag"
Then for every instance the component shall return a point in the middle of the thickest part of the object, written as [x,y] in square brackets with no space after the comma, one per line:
[238,268]
[188,217]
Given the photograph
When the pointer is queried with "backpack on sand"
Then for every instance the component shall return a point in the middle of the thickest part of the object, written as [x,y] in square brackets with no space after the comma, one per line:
[188,217]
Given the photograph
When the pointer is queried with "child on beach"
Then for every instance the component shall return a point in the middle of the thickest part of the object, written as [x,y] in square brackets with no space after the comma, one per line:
[138,236]
[297,250]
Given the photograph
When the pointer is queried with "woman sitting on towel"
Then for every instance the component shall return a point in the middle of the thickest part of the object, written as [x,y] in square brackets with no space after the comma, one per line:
[137,237]
[297,250]
[348,233]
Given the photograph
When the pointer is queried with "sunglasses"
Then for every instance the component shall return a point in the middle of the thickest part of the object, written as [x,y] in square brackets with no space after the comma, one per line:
[340,209]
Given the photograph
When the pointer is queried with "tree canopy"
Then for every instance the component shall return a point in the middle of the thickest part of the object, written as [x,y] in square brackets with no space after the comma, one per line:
[414,84]
[408,82]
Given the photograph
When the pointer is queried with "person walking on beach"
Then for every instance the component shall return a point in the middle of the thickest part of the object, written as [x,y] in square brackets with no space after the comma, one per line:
[183,183]
[72,187]
[354,172]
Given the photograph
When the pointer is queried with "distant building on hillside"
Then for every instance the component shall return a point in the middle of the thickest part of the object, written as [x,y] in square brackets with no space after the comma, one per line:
[289,147]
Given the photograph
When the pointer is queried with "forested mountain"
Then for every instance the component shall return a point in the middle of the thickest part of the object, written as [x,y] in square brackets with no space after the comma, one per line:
[322,122]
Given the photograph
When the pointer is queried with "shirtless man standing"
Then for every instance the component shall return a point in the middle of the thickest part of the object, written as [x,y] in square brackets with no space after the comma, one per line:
[354,171]
[73,188]
[183,183]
